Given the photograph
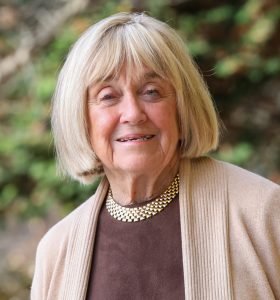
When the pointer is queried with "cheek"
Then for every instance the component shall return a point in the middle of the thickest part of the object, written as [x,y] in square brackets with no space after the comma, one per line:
[101,127]
[167,120]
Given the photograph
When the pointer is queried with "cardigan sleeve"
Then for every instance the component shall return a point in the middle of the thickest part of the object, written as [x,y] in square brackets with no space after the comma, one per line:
[63,253]
[50,260]
[41,278]
[254,235]
[269,245]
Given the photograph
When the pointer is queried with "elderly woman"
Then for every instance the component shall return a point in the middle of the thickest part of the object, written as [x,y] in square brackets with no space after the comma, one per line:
[166,222]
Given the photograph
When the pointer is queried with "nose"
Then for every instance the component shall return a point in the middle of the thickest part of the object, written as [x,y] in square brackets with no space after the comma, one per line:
[132,110]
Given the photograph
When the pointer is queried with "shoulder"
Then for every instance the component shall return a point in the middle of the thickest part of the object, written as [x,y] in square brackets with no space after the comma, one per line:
[51,254]
[56,249]
[244,184]
[233,171]
[235,176]
[60,233]
[244,188]
[57,237]
[245,178]
[251,196]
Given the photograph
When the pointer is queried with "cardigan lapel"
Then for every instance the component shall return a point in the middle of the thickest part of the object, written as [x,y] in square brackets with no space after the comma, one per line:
[204,229]
[78,260]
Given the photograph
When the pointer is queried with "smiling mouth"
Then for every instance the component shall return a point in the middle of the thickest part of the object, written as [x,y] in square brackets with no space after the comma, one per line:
[142,138]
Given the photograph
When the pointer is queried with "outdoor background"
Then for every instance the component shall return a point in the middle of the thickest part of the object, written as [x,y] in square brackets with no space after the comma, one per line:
[236,45]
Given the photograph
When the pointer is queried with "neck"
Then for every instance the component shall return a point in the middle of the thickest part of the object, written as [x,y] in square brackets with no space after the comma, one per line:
[131,188]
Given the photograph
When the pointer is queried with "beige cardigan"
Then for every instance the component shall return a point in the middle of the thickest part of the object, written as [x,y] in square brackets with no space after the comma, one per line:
[230,226]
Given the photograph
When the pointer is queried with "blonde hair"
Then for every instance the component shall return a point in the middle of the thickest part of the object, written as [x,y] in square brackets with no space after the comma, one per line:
[133,40]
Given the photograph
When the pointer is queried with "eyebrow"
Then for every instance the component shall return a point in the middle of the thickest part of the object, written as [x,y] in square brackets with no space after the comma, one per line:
[151,75]
[145,76]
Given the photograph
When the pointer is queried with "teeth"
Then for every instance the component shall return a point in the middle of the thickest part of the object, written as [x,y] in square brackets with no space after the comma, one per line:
[144,138]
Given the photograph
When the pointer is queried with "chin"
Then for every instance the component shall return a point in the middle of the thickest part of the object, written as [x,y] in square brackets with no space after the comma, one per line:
[139,167]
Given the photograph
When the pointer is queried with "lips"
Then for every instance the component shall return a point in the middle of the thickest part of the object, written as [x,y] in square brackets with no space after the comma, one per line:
[135,138]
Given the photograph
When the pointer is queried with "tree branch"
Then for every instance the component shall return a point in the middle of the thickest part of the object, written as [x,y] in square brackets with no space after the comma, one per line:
[50,23]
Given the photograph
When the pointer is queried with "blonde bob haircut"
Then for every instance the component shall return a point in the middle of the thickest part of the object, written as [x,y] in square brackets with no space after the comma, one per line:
[132,41]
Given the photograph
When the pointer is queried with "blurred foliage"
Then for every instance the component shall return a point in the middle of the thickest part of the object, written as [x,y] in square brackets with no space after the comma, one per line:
[235,44]
[29,184]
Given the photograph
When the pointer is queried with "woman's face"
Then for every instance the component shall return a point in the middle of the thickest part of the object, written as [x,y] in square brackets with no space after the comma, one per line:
[133,123]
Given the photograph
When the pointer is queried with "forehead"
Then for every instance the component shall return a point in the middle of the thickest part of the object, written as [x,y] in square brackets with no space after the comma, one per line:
[137,76]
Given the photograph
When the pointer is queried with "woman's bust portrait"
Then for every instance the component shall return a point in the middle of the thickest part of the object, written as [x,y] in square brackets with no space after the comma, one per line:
[167,221]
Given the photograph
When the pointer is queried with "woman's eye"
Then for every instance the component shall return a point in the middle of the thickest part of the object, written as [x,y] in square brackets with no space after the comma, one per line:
[151,93]
[106,97]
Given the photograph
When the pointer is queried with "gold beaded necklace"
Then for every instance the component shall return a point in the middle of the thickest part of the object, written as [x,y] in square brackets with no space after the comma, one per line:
[134,214]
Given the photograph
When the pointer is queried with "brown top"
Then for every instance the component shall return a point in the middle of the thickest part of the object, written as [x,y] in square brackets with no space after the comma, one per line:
[141,260]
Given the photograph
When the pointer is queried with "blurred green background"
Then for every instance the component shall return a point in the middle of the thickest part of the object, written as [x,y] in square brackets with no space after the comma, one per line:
[236,45]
